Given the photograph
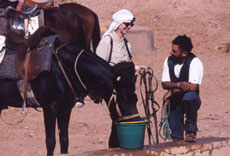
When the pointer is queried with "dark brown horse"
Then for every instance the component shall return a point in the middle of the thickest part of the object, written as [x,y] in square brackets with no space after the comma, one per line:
[55,18]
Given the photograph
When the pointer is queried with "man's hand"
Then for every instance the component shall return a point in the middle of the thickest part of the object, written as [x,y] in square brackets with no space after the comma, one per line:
[167,95]
[185,86]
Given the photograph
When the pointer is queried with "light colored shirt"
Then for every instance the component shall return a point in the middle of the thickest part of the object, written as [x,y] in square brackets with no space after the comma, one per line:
[119,51]
[195,71]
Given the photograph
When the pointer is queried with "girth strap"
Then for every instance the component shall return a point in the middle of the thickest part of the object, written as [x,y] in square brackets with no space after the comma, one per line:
[25,79]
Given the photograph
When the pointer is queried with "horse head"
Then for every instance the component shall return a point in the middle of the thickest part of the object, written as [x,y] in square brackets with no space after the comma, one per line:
[96,78]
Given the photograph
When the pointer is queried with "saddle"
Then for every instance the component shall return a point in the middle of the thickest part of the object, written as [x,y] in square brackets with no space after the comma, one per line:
[26,21]
[28,63]
[31,63]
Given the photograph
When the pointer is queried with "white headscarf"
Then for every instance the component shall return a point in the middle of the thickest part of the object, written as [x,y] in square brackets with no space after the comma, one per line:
[118,18]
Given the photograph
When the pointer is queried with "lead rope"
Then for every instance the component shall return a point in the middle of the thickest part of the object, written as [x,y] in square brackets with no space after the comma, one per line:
[164,124]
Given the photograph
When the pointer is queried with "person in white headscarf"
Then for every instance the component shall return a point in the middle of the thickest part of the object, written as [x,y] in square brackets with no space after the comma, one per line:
[119,50]
[116,50]
[113,47]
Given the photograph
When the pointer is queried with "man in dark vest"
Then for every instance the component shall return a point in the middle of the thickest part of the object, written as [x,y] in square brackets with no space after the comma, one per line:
[181,77]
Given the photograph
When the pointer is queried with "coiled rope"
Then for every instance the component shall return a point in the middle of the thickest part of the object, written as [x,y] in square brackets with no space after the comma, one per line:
[164,129]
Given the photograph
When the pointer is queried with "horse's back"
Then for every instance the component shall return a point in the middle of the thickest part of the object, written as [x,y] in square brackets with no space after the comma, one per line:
[67,24]
[90,22]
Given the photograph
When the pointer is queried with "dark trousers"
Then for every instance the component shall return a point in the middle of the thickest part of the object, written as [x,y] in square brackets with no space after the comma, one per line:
[186,105]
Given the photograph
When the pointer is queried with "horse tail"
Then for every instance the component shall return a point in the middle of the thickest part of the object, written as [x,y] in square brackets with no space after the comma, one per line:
[81,37]
[96,37]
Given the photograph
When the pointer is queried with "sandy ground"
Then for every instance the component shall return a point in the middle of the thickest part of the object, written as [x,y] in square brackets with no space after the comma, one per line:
[207,22]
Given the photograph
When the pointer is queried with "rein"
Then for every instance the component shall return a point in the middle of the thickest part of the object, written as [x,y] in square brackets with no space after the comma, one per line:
[146,78]
[64,73]
[75,69]
[63,70]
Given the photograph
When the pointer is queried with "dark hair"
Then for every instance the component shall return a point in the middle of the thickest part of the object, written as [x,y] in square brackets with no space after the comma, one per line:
[184,42]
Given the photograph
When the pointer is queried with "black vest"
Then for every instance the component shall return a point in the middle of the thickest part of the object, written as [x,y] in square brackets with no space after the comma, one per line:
[184,72]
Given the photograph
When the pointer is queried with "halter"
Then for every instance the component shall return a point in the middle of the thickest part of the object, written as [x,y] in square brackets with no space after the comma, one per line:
[121,117]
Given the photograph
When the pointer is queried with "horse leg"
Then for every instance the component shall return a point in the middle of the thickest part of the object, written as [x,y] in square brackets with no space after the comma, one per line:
[63,125]
[113,139]
[50,123]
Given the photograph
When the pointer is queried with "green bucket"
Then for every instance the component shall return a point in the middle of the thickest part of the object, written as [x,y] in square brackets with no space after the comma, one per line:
[131,134]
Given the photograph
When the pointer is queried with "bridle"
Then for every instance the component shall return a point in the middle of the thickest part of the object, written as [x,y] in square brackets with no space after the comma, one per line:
[121,117]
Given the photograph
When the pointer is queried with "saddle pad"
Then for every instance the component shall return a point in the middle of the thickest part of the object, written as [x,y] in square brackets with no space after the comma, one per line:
[7,67]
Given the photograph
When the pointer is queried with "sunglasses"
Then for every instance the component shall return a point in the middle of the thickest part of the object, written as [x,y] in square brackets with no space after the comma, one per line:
[174,51]
[129,24]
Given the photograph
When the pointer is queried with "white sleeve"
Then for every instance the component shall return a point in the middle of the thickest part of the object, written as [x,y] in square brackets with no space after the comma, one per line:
[196,71]
[165,73]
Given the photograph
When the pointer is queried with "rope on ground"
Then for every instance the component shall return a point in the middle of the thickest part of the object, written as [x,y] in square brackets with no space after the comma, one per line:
[164,129]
